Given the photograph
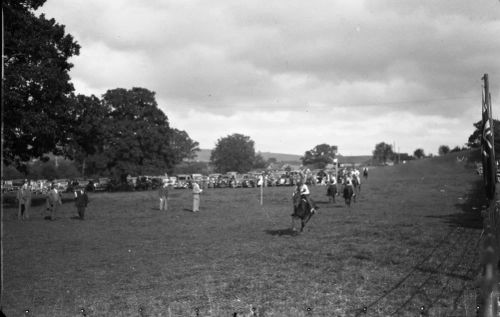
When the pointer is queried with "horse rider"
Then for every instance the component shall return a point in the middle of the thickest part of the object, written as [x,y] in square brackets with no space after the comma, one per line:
[304,192]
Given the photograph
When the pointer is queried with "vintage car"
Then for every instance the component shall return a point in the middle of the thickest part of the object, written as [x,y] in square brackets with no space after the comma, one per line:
[102,184]
[61,184]
[183,181]
[223,181]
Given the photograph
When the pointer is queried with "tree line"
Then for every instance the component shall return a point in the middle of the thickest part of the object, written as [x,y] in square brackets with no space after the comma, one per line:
[123,132]
[120,133]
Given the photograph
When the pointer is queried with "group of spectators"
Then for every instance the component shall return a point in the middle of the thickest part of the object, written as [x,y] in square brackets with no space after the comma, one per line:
[163,195]
[53,200]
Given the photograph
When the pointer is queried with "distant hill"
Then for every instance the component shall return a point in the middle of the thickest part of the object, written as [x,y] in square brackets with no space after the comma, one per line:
[204,156]
[358,160]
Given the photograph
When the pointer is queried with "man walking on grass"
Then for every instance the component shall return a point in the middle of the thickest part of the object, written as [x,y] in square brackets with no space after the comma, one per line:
[81,202]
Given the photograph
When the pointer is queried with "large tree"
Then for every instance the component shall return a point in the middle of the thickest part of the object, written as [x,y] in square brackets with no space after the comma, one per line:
[443,149]
[37,85]
[382,152]
[135,136]
[182,145]
[138,133]
[235,152]
[320,156]
[419,153]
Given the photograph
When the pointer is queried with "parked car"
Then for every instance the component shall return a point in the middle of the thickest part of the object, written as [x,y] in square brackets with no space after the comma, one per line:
[183,181]
[16,184]
[143,183]
[62,185]
[7,186]
[223,181]
[197,177]
[102,184]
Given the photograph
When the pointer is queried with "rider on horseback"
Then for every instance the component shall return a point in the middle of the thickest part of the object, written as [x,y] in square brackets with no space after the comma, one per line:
[303,190]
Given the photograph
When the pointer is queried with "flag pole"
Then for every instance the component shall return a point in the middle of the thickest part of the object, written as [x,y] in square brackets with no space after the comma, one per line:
[2,146]
[262,190]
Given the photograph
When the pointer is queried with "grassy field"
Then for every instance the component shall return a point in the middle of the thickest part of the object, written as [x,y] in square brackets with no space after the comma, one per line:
[409,243]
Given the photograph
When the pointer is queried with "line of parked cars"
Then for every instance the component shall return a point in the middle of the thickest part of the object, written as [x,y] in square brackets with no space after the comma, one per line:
[180,181]
[236,180]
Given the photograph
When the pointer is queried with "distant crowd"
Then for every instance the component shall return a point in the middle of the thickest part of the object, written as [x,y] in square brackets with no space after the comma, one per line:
[197,183]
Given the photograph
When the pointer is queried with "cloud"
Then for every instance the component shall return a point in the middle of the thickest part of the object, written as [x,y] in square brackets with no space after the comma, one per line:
[374,70]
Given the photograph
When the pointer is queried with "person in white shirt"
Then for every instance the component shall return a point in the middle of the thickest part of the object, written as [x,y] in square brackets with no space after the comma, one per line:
[305,193]
[196,196]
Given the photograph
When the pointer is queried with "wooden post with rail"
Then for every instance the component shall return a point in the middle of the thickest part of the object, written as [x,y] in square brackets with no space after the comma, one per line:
[490,254]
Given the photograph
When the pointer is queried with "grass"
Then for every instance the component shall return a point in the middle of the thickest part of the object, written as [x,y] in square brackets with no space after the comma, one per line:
[410,241]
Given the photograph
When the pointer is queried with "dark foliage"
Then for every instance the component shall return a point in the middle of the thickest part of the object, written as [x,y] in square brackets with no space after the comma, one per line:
[233,153]
[37,114]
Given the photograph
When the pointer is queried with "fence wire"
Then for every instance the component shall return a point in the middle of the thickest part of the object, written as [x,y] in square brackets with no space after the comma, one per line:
[489,295]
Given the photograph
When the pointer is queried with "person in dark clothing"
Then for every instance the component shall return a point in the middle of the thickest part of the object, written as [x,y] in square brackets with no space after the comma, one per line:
[81,202]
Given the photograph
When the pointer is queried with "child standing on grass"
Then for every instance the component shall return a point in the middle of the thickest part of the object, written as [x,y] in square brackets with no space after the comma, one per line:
[81,202]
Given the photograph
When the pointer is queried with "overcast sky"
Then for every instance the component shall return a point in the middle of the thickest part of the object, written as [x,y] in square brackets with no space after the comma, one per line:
[295,74]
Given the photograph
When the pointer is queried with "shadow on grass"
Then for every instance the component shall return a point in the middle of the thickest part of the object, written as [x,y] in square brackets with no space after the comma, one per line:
[282,232]
[471,206]
[10,201]
[322,202]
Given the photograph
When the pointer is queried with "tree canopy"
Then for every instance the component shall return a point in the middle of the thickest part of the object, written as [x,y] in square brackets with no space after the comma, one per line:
[134,135]
[419,153]
[233,153]
[320,156]
[443,149]
[382,152]
[124,132]
[37,112]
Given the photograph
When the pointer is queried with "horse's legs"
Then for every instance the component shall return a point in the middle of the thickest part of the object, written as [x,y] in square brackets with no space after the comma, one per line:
[306,220]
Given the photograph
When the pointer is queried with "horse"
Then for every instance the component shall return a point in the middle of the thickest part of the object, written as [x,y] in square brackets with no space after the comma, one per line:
[348,194]
[301,210]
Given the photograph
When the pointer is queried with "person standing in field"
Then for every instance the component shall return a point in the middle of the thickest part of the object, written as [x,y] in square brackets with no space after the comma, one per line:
[196,197]
[163,194]
[81,202]
[331,190]
[53,201]
[24,199]
[304,192]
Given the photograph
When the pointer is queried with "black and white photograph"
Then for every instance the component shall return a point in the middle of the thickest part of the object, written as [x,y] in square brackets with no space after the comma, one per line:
[250,158]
